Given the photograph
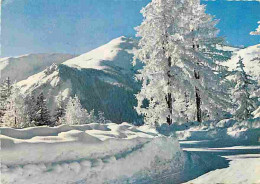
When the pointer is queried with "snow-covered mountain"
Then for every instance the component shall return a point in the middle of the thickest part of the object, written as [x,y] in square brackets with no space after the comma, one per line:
[102,78]
[251,60]
[21,67]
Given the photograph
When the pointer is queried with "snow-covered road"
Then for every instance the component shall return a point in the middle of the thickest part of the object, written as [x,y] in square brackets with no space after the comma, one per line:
[242,169]
[243,163]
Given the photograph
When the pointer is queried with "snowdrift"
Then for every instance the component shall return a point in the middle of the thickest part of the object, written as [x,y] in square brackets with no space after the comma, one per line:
[227,132]
[91,153]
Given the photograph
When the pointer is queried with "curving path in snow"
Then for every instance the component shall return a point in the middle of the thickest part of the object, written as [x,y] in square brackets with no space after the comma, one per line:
[243,163]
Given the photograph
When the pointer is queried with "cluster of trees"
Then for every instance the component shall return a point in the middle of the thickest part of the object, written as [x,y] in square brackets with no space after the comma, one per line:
[182,78]
[20,111]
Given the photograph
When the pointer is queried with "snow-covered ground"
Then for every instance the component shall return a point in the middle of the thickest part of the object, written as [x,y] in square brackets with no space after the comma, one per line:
[112,153]
[86,154]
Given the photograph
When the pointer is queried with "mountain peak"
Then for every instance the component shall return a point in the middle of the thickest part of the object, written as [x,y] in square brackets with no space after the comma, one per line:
[116,53]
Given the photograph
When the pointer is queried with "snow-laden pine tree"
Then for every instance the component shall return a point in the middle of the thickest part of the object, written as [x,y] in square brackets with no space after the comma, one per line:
[60,109]
[74,113]
[175,37]
[5,92]
[5,89]
[15,114]
[42,111]
[31,108]
[91,118]
[245,104]
[101,118]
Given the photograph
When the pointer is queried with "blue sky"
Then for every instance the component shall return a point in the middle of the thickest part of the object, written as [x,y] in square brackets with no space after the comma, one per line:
[66,26]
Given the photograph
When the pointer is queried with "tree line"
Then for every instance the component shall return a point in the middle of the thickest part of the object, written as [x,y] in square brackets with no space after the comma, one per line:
[19,111]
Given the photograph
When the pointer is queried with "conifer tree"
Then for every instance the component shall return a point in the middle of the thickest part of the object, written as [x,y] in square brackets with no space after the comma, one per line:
[5,92]
[174,35]
[15,115]
[245,104]
[74,113]
[102,119]
[31,108]
[91,117]
[60,109]
[42,112]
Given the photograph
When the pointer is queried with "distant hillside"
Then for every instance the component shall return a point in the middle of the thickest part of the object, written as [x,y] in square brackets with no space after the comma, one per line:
[103,79]
[21,67]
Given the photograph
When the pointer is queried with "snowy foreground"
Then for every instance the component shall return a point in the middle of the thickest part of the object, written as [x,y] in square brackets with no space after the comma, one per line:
[124,153]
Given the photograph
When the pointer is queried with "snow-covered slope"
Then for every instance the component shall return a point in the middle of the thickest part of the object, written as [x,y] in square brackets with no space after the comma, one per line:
[251,56]
[117,54]
[21,67]
[103,79]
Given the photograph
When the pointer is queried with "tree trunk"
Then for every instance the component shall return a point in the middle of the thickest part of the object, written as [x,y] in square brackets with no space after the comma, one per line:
[197,91]
[198,105]
[169,95]
[169,103]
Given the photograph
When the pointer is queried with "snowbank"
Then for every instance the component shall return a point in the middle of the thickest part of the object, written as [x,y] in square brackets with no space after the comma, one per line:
[87,154]
[230,130]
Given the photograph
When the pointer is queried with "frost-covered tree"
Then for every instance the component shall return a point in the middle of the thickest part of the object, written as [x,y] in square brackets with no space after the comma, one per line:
[42,112]
[91,118]
[15,115]
[31,108]
[5,92]
[74,113]
[101,118]
[60,109]
[5,89]
[245,104]
[174,46]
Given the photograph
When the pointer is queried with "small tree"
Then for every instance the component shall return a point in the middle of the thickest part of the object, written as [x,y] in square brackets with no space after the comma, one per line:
[5,92]
[31,108]
[15,114]
[91,118]
[101,118]
[60,109]
[42,112]
[74,113]
[245,104]
[5,89]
